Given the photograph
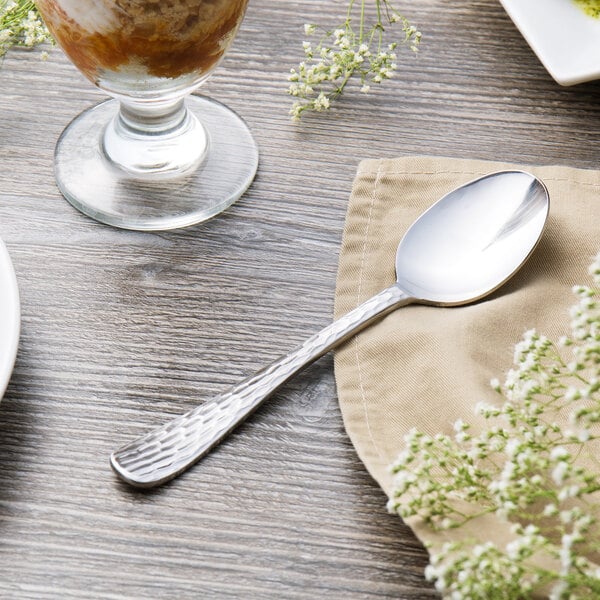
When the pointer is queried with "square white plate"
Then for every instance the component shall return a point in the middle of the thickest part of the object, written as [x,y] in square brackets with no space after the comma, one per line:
[565,39]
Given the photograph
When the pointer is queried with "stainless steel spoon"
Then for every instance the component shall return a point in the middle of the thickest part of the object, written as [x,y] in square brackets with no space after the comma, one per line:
[461,249]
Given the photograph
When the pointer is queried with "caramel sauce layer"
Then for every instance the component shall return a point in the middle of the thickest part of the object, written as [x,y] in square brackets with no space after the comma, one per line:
[167,38]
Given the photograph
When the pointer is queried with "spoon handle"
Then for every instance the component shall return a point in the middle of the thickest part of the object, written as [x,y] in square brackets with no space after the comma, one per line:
[167,451]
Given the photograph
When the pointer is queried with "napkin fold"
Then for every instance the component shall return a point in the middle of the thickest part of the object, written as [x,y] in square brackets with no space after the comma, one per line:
[425,367]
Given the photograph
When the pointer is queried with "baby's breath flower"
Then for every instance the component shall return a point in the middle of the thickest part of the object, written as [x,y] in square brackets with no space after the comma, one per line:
[550,510]
[524,468]
[351,51]
[21,25]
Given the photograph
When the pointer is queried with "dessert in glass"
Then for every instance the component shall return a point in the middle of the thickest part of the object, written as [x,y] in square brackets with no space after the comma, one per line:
[155,156]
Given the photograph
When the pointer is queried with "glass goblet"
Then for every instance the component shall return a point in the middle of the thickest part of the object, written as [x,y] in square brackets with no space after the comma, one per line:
[154,156]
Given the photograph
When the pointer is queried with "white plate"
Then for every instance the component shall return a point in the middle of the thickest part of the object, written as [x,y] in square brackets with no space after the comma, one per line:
[10,319]
[566,40]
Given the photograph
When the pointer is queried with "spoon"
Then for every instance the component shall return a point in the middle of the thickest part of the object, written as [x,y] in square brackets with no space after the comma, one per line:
[461,249]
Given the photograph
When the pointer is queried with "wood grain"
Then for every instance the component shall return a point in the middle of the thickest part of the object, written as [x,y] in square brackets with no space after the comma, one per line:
[121,330]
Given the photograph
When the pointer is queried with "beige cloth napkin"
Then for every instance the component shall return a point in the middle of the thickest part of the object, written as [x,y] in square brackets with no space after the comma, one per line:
[426,367]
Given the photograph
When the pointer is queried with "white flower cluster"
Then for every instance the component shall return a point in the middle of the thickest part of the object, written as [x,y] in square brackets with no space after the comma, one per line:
[535,466]
[21,25]
[343,54]
[475,574]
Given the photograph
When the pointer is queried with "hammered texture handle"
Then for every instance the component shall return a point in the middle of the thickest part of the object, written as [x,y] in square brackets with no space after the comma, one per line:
[169,450]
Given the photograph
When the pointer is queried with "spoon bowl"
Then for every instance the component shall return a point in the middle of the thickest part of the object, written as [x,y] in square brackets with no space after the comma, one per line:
[461,249]
[473,239]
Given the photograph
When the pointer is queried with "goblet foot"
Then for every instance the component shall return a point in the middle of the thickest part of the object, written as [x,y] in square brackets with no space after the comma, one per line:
[217,168]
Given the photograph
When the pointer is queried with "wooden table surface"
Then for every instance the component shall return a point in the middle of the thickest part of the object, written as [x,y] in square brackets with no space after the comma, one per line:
[122,330]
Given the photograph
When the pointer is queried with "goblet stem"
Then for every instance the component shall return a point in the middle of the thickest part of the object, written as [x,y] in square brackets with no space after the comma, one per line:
[152,116]
[155,140]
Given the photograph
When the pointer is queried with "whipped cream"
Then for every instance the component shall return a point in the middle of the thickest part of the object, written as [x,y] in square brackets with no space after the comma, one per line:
[98,16]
